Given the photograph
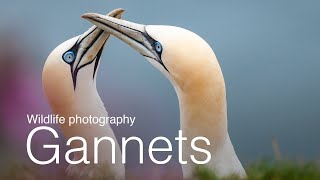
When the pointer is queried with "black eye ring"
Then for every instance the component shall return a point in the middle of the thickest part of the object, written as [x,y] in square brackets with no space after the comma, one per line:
[69,57]
[158,47]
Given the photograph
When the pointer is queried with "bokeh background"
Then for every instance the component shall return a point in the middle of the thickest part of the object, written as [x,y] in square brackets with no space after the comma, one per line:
[268,51]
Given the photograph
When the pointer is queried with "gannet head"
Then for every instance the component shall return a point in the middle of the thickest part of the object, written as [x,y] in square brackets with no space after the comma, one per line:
[181,55]
[70,69]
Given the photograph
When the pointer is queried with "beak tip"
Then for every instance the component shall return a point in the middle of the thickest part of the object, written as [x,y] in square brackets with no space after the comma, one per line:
[120,10]
[119,13]
[88,16]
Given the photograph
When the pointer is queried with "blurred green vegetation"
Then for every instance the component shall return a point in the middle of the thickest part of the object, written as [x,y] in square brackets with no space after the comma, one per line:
[271,170]
[20,172]
[259,170]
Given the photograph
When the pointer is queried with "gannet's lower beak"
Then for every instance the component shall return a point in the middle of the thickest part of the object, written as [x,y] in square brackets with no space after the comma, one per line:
[133,34]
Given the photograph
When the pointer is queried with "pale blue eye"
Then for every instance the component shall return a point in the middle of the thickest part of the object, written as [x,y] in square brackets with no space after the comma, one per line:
[158,47]
[69,57]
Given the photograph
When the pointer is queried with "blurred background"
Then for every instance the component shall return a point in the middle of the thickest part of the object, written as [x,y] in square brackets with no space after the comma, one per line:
[268,51]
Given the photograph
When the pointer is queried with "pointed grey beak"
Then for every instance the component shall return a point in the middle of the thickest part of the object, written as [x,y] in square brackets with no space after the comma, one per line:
[133,34]
[89,47]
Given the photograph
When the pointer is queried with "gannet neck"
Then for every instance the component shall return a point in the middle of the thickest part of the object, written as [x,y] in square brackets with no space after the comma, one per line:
[225,161]
[87,102]
[207,112]
[203,112]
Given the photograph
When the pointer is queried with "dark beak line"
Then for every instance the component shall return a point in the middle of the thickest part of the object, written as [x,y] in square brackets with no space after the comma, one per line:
[97,60]
[88,48]
[99,19]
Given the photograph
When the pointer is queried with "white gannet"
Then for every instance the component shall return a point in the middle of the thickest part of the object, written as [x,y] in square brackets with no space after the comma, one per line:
[69,82]
[192,67]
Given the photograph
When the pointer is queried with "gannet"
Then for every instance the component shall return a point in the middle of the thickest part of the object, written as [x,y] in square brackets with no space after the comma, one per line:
[193,69]
[69,82]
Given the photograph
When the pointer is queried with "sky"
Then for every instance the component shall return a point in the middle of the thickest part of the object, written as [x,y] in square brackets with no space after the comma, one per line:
[268,52]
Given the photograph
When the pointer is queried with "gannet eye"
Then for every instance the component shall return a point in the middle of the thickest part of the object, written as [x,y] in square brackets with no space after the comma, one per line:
[69,57]
[158,47]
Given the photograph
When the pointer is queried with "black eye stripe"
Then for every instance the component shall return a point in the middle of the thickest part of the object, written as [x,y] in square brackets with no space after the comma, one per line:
[153,44]
[74,64]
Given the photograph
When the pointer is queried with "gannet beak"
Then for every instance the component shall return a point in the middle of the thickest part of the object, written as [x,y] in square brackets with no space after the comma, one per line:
[90,44]
[133,34]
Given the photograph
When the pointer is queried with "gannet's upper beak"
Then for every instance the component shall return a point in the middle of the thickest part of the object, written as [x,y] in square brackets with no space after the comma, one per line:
[133,34]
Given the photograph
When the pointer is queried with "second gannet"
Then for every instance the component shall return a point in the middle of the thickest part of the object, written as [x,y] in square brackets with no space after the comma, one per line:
[193,69]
